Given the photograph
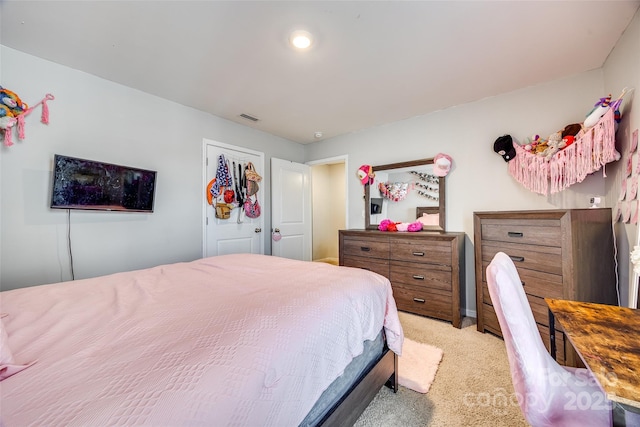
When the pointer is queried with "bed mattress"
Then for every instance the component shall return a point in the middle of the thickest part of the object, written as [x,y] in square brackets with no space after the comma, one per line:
[228,340]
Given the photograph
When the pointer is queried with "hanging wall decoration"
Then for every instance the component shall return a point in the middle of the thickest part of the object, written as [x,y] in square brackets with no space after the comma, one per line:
[430,187]
[365,174]
[426,177]
[566,158]
[13,111]
[394,191]
[626,209]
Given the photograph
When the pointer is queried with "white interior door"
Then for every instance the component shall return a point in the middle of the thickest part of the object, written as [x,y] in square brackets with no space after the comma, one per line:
[291,209]
[238,233]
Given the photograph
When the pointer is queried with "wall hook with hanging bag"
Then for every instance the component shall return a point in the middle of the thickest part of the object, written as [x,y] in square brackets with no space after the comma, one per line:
[229,193]
[237,176]
[219,189]
[251,206]
[253,178]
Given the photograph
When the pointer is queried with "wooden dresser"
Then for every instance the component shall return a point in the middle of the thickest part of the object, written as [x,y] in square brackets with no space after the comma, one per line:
[563,254]
[426,269]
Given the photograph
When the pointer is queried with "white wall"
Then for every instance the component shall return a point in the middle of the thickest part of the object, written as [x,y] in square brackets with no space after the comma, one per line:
[479,179]
[623,69]
[100,120]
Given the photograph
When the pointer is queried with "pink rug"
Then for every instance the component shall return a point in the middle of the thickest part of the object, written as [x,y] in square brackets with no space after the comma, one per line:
[418,365]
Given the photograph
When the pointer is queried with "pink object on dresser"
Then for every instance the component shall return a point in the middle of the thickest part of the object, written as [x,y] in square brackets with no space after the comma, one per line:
[228,340]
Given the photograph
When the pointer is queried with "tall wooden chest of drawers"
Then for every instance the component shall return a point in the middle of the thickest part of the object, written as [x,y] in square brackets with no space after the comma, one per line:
[426,269]
[566,254]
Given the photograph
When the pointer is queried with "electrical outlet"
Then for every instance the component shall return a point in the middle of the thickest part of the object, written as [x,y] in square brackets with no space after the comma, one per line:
[595,201]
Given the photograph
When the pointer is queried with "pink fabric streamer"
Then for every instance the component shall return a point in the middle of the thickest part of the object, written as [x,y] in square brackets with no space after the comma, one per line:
[8,139]
[589,153]
[20,119]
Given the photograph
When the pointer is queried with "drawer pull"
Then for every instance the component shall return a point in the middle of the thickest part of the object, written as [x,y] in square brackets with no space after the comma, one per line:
[417,277]
[365,249]
[515,234]
[418,254]
[517,258]
[421,300]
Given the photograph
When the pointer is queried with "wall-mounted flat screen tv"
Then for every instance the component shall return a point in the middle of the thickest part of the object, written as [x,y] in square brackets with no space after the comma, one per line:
[88,184]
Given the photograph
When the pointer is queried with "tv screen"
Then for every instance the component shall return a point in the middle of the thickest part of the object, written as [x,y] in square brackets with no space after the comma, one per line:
[87,184]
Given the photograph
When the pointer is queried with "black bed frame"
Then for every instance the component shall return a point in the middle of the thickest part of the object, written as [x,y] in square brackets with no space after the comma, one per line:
[347,410]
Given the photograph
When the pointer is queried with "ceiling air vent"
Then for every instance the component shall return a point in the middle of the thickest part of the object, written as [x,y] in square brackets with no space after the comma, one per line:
[248,117]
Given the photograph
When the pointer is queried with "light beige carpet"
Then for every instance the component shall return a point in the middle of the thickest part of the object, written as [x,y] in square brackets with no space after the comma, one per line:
[471,388]
[418,365]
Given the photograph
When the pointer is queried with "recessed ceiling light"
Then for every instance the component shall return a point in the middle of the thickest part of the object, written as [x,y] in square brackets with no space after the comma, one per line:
[318,134]
[301,39]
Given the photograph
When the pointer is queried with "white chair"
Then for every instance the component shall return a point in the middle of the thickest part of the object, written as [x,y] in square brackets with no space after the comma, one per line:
[548,393]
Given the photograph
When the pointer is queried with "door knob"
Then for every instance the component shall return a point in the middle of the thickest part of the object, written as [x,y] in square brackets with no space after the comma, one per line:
[275,235]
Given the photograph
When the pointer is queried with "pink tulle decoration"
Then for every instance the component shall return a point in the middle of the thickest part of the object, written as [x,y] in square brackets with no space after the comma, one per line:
[414,226]
[402,226]
[384,224]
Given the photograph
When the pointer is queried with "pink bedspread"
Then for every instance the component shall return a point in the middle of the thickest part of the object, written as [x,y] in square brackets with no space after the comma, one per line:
[244,340]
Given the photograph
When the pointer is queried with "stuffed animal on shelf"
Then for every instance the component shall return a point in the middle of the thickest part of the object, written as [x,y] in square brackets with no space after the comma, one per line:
[568,140]
[553,146]
[599,109]
[571,130]
[539,144]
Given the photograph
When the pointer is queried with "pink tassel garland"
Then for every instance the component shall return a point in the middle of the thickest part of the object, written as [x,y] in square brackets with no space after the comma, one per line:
[8,139]
[589,153]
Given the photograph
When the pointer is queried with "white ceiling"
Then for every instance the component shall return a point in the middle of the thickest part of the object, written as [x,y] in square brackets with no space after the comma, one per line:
[373,62]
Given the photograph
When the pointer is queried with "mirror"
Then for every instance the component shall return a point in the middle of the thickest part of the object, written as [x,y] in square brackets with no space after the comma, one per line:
[403,192]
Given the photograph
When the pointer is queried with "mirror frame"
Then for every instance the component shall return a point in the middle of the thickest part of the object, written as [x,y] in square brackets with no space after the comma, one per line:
[440,209]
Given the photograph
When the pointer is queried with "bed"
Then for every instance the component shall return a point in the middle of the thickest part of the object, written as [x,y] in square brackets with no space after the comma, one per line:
[238,340]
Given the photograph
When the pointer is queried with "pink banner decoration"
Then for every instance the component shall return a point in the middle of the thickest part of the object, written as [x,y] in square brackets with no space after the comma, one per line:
[589,153]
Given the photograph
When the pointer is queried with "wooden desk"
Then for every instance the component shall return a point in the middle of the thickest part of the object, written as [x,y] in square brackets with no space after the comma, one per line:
[607,339]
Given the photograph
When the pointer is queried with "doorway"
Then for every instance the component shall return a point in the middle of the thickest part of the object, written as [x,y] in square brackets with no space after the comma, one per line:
[329,206]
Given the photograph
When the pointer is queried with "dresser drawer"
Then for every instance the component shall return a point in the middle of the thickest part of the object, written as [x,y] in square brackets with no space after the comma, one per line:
[491,324]
[418,250]
[559,253]
[490,320]
[538,283]
[380,266]
[421,275]
[531,232]
[561,350]
[423,301]
[538,258]
[426,270]
[539,308]
[373,248]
